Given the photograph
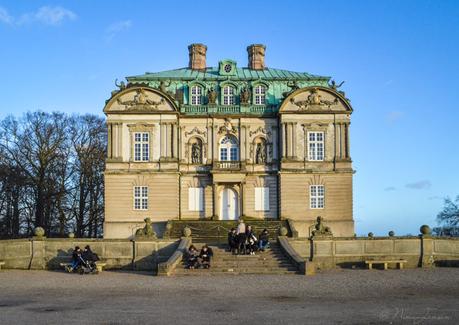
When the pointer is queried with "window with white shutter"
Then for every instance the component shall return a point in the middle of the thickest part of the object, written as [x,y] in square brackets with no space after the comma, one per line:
[261,198]
[196,198]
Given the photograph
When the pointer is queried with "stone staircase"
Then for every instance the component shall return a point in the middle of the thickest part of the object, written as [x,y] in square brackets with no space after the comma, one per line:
[217,231]
[272,261]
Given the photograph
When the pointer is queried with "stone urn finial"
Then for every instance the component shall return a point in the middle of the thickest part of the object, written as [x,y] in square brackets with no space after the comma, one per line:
[283,231]
[187,232]
[71,235]
[39,232]
[425,230]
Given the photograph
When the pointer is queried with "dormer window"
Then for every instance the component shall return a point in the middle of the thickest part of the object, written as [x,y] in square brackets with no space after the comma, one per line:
[260,95]
[196,95]
[228,95]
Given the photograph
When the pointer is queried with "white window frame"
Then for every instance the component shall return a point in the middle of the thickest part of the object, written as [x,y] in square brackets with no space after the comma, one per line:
[260,95]
[228,95]
[316,148]
[196,95]
[140,196]
[317,196]
[196,199]
[229,148]
[141,146]
[261,198]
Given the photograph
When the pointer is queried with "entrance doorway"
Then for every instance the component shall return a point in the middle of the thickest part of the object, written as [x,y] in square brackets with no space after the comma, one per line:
[229,204]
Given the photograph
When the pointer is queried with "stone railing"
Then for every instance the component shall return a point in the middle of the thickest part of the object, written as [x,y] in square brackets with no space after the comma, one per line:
[230,165]
[48,253]
[167,268]
[419,251]
[228,109]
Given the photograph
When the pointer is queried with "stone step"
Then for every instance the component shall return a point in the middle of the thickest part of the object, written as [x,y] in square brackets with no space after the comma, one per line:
[212,271]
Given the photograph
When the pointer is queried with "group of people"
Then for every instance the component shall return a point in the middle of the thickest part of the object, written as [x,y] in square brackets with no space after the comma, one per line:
[200,259]
[242,240]
[83,261]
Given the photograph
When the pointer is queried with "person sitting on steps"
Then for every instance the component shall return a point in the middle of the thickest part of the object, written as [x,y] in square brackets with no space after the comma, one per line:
[251,241]
[206,256]
[241,238]
[192,258]
[263,240]
[232,241]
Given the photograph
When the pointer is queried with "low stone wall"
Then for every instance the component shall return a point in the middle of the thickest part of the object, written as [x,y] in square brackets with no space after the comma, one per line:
[330,252]
[118,254]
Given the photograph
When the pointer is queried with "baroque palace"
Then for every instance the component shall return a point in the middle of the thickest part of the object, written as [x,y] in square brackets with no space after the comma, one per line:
[220,143]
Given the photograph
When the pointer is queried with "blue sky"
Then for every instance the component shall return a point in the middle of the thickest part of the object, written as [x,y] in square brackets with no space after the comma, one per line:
[399,60]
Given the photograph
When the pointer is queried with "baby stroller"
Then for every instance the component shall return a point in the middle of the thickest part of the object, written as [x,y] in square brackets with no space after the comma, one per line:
[86,267]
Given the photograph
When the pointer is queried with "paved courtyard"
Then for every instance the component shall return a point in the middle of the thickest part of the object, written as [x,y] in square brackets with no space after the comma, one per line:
[417,296]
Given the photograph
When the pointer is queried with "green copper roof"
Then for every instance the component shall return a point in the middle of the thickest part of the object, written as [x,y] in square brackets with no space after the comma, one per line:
[212,73]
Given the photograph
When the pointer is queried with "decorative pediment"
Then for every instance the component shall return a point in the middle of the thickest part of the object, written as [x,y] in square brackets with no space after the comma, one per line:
[139,100]
[196,131]
[315,100]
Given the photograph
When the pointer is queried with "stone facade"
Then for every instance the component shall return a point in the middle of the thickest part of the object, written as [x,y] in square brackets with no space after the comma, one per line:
[225,142]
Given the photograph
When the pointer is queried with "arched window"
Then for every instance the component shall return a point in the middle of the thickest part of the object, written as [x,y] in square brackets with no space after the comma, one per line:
[229,149]
[260,95]
[228,95]
[196,95]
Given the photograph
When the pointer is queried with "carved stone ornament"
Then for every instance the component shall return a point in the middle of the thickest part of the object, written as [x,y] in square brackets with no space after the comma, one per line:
[314,100]
[196,131]
[320,229]
[140,102]
[147,231]
[261,130]
[227,127]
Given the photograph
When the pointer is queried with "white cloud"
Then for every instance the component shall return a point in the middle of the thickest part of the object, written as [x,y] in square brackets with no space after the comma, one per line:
[5,16]
[420,185]
[116,28]
[47,15]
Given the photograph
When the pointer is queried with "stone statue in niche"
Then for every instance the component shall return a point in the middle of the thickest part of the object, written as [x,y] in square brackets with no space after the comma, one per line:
[211,96]
[196,153]
[245,96]
[260,153]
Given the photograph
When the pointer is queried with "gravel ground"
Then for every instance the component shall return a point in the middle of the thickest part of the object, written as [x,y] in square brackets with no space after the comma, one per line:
[419,296]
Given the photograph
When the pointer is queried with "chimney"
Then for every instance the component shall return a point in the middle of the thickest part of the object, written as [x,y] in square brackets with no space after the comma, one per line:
[197,54]
[256,56]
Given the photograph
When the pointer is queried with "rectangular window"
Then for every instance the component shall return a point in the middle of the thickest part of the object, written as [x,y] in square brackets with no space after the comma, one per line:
[140,198]
[228,95]
[316,146]
[261,198]
[196,95]
[260,95]
[233,154]
[141,146]
[196,199]
[317,196]
[223,154]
